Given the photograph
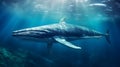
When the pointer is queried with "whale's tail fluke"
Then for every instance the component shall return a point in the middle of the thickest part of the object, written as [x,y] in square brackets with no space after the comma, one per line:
[107,36]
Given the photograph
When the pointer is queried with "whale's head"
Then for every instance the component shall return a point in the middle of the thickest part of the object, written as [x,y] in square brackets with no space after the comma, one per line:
[31,33]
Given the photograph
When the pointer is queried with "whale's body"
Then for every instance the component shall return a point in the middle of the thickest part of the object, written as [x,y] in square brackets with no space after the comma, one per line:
[61,32]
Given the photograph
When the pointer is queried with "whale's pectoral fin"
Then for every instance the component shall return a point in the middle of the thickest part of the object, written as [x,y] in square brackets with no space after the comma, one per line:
[64,42]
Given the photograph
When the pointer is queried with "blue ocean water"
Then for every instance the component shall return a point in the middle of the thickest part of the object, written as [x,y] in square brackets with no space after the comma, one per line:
[100,15]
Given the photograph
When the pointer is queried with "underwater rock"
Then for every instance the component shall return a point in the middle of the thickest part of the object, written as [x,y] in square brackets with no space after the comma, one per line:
[23,58]
[11,59]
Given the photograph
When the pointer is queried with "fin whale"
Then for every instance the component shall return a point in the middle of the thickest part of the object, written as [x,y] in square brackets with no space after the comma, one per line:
[61,32]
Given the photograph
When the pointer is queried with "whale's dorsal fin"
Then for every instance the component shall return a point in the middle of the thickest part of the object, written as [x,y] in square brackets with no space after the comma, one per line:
[62,20]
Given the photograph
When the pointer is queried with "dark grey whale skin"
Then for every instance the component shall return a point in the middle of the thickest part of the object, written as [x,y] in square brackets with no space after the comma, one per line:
[60,29]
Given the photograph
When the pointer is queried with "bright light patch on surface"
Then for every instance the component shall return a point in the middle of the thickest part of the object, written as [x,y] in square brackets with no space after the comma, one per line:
[98,4]
[82,1]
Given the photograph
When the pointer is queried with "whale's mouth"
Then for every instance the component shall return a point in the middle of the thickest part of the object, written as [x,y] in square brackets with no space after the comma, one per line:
[15,33]
[19,33]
